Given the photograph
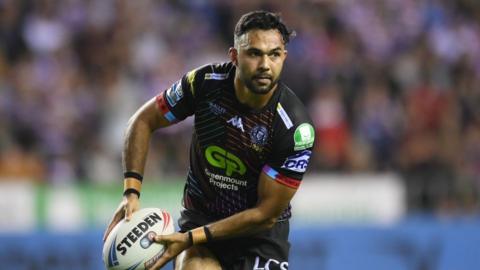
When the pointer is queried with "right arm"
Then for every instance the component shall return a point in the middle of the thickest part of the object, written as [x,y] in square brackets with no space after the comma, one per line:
[137,136]
[140,127]
[173,105]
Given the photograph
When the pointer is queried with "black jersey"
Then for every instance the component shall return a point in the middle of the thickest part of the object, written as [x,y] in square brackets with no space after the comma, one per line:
[232,143]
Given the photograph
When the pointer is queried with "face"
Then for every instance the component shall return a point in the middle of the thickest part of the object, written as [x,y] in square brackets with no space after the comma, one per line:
[259,57]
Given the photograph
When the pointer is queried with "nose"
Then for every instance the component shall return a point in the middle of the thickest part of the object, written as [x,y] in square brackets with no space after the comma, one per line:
[264,64]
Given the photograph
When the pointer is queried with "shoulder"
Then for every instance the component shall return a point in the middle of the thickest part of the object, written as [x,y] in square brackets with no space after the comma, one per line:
[208,75]
[294,126]
[218,71]
[293,136]
[213,71]
[291,109]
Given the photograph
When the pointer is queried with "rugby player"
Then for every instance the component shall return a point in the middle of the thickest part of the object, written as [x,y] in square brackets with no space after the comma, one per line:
[250,147]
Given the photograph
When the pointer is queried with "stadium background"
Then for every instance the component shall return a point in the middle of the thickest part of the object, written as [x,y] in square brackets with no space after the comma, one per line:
[393,88]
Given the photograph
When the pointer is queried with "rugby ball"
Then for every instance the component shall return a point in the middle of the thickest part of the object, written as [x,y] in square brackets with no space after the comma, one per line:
[128,246]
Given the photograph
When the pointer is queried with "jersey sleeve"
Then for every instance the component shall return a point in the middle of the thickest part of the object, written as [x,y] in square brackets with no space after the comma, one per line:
[178,102]
[291,152]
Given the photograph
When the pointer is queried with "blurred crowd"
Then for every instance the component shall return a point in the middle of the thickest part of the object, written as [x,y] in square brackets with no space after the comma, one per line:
[391,85]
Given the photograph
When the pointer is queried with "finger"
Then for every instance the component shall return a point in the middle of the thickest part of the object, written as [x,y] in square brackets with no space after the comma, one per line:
[107,232]
[161,262]
[159,239]
[162,239]
[115,220]
[128,212]
[105,235]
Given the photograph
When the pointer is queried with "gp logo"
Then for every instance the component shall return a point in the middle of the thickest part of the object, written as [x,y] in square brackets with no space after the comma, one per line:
[270,264]
[221,158]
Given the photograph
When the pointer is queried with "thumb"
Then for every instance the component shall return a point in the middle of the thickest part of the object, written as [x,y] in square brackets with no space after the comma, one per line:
[160,239]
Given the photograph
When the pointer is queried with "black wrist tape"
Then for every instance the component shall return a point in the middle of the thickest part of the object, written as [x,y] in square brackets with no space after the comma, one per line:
[208,234]
[133,175]
[190,239]
[130,191]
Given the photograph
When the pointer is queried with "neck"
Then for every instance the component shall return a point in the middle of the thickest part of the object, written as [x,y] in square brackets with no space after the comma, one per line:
[250,99]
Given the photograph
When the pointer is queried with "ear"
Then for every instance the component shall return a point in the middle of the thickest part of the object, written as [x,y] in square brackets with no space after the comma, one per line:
[233,53]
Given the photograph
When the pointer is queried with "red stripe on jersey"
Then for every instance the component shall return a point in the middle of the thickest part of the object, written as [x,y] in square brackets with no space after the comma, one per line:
[289,182]
[282,179]
[162,104]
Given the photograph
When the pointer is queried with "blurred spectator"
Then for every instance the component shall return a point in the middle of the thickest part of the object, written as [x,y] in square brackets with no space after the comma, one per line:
[380,122]
[331,128]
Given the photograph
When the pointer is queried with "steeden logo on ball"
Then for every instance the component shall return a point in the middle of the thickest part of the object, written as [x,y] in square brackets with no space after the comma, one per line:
[129,246]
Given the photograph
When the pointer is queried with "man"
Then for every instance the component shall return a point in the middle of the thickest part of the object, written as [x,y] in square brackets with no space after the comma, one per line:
[250,148]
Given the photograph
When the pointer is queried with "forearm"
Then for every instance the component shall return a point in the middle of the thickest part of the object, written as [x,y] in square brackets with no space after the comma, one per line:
[135,150]
[247,222]
[137,136]
[273,199]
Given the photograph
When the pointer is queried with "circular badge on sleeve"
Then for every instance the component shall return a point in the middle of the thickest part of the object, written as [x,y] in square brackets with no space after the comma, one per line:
[304,136]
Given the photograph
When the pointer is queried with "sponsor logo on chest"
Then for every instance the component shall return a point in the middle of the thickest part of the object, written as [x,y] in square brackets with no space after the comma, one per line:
[222,159]
[216,109]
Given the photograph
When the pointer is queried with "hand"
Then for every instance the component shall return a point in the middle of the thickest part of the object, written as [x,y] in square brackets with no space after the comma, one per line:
[129,204]
[174,244]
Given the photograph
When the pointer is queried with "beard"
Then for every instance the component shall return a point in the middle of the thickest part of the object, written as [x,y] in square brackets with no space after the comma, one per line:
[257,87]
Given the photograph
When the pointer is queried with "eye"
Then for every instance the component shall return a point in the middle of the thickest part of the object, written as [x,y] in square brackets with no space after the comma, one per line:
[255,53]
[274,55]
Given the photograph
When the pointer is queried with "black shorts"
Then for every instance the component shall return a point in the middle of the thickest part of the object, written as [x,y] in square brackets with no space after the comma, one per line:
[262,251]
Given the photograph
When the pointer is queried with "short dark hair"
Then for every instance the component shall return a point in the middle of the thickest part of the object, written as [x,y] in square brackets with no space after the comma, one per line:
[263,20]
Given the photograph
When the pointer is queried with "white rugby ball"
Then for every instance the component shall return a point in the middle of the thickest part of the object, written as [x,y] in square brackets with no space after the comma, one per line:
[128,246]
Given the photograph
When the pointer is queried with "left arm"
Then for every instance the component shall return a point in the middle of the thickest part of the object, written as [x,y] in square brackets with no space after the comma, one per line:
[273,199]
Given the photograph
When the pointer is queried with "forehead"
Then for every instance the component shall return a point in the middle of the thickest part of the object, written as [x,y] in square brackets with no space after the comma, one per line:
[261,39]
